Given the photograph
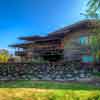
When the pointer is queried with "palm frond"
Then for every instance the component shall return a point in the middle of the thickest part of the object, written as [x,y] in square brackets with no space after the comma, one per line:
[93,8]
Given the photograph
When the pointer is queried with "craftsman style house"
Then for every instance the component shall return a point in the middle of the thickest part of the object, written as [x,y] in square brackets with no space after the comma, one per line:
[69,43]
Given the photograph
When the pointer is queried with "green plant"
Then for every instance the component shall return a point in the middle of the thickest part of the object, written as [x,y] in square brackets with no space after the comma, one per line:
[96,74]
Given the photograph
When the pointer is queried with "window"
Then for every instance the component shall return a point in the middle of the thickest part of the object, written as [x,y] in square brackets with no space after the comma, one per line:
[87,59]
[83,40]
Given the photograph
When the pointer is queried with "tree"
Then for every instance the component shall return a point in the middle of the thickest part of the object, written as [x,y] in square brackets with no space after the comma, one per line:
[93,10]
[4,56]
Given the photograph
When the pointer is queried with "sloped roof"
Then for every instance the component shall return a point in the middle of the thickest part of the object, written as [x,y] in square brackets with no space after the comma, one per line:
[60,33]
[40,38]
[82,24]
[30,38]
[21,45]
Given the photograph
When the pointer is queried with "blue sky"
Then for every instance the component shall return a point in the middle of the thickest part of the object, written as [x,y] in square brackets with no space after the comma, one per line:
[36,17]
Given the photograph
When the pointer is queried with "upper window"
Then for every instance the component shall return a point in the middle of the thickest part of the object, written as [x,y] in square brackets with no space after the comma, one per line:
[83,40]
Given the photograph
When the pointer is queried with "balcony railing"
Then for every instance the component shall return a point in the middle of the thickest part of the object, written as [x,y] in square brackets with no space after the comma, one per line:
[20,53]
[40,49]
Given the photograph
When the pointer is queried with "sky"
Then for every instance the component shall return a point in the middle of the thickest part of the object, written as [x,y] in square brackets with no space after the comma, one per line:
[36,17]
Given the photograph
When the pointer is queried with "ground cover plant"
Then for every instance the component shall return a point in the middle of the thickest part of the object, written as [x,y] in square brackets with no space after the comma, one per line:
[47,94]
[45,90]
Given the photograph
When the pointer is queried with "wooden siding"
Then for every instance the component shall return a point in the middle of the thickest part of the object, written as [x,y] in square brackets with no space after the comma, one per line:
[72,50]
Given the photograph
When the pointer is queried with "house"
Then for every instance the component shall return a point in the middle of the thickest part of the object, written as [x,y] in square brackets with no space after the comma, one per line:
[68,43]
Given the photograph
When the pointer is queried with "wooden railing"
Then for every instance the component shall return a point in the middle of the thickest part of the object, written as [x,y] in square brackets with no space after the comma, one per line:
[20,53]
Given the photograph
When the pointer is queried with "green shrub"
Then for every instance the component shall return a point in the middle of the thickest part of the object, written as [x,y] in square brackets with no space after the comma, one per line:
[96,74]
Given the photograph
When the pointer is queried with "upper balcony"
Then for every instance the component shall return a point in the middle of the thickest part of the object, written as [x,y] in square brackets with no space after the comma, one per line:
[20,53]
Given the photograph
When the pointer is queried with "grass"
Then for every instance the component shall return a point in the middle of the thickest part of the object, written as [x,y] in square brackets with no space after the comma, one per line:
[47,85]
[40,90]
[37,94]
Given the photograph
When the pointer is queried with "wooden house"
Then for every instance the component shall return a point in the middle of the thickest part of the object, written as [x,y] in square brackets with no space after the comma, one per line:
[68,43]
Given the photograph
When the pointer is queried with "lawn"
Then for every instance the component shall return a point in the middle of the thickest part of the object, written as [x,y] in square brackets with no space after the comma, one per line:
[47,85]
[40,90]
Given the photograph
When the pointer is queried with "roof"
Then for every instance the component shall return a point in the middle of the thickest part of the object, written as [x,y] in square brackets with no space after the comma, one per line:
[30,38]
[22,45]
[60,33]
[41,38]
[82,24]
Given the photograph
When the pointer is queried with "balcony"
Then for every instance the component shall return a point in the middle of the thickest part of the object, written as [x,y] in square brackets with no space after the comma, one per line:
[48,50]
[41,49]
[53,46]
[20,53]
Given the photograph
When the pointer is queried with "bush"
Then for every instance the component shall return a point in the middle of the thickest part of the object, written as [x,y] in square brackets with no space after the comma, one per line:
[96,74]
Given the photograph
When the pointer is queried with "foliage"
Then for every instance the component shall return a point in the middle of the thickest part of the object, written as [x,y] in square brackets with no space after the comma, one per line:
[95,46]
[46,94]
[4,56]
[96,74]
[93,10]
[48,85]
[48,91]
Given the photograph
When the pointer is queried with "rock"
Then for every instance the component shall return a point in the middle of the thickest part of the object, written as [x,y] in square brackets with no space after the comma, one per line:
[82,75]
[71,79]
[4,78]
[69,75]
[26,71]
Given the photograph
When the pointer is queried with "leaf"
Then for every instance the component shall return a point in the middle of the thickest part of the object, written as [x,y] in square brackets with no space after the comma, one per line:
[93,10]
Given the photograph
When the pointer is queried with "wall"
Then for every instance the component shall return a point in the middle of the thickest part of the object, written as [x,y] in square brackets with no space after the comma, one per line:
[65,71]
[72,50]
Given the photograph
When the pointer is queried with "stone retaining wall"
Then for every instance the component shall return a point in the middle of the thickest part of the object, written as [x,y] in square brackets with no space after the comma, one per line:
[28,71]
